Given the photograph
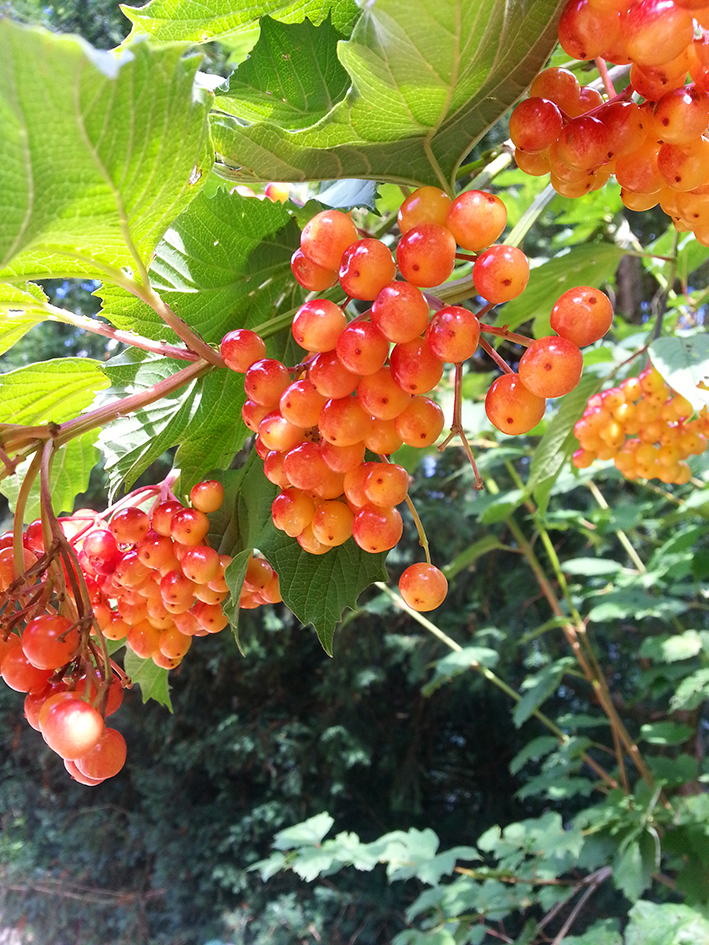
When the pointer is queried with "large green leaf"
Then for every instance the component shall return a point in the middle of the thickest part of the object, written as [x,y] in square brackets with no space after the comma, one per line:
[53,391]
[653,923]
[223,264]
[49,391]
[200,21]
[203,418]
[293,76]
[592,264]
[317,588]
[684,362]
[427,80]
[100,153]
[21,308]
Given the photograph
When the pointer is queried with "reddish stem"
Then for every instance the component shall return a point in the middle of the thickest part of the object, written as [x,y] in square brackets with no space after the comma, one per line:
[499,361]
[504,332]
[607,81]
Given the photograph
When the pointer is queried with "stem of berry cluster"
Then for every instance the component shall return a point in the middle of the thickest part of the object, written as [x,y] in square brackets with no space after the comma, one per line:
[498,359]
[456,428]
[181,328]
[504,332]
[79,591]
[603,72]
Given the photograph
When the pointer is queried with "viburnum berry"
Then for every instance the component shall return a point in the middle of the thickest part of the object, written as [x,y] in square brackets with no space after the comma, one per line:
[381,396]
[343,422]
[326,236]
[383,437]
[501,273]
[330,377]
[106,758]
[312,277]
[240,348]
[423,587]
[551,367]
[207,496]
[362,348]
[332,523]
[318,324]
[511,407]
[376,529]
[421,423]
[400,312]
[366,267]
[535,125]
[49,641]
[72,728]
[414,367]
[426,254]
[453,334]
[265,381]
[129,526]
[476,219]
[424,205]
[582,315]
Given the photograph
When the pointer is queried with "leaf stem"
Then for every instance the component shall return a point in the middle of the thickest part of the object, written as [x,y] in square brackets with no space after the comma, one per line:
[183,331]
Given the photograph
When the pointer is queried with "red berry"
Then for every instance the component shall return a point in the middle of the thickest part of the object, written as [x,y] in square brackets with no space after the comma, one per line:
[207,496]
[426,254]
[551,367]
[366,267]
[501,273]
[511,407]
[325,238]
[453,334]
[241,348]
[582,315]
[424,205]
[312,277]
[423,587]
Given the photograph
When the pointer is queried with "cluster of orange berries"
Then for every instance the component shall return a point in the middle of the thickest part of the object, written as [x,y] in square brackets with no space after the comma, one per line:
[151,580]
[652,136]
[362,383]
[644,427]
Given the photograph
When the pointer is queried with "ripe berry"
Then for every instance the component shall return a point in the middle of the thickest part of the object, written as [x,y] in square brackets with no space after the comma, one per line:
[72,727]
[240,348]
[312,277]
[343,422]
[501,273]
[400,312]
[551,367]
[535,125]
[582,315]
[129,526]
[41,644]
[453,334]
[376,529]
[265,381]
[414,367]
[426,254]
[207,496]
[106,758]
[511,407]
[476,219]
[318,324]
[421,423]
[330,377]
[424,205]
[423,587]
[325,238]
[362,348]
[366,267]
[381,396]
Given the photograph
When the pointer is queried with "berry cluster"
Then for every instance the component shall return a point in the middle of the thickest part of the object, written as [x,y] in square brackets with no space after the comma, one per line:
[362,384]
[651,135]
[150,579]
[644,427]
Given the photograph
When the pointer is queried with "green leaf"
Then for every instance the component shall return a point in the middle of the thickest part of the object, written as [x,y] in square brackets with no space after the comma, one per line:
[223,264]
[203,417]
[692,691]
[459,662]
[292,77]
[21,308]
[539,687]
[426,84]
[602,932]
[533,751]
[193,21]
[50,391]
[632,868]
[592,567]
[309,833]
[471,554]
[319,588]
[70,474]
[91,175]
[316,588]
[559,441]
[683,361]
[152,679]
[665,733]
[652,923]
[670,649]
[592,264]
[636,603]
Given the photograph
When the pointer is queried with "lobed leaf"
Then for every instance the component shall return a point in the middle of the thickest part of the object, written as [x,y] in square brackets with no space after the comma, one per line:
[426,83]
[316,588]
[152,679]
[201,21]
[90,175]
